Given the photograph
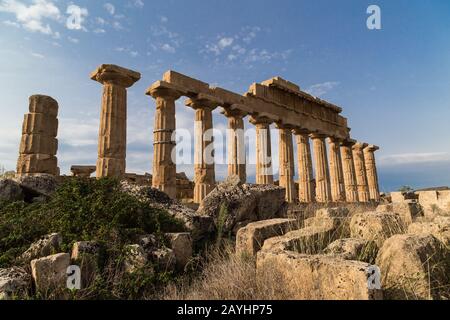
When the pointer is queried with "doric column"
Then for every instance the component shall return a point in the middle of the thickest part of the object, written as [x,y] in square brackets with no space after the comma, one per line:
[236,144]
[360,170]
[321,165]
[264,172]
[286,154]
[204,179]
[164,167]
[38,146]
[348,168]
[305,168]
[336,174]
[371,170]
[112,138]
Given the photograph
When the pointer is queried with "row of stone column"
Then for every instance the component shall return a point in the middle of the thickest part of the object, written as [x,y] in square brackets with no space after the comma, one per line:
[349,175]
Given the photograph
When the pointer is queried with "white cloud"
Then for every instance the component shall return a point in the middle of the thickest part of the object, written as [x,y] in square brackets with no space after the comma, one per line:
[110,8]
[99,30]
[73,40]
[11,23]
[37,55]
[138,3]
[413,158]
[77,15]
[225,42]
[164,19]
[32,17]
[322,88]
[168,48]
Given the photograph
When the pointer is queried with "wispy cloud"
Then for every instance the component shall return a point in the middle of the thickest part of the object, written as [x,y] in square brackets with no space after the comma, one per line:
[322,88]
[414,158]
[37,55]
[110,8]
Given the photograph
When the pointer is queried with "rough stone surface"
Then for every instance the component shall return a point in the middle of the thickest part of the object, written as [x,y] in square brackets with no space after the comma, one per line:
[181,245]
[85,254]
[164,259]
[317,277]
[38,185]
[434,202]
[45,246]
[198,224]
[376,226]
[407,262]
[14,283]
[228,204]
[353,249]
[409,210]
[135,258]
[49,273]
[250,239]
[10,190]
[440,228]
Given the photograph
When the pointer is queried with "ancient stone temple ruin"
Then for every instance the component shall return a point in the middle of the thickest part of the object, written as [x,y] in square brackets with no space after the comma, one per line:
[337,168]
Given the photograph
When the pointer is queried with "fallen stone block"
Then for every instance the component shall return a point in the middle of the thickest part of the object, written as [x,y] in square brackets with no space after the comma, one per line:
[47,245]
[376,226]
[10,190]
[181,244]
[135,258]
[164,259]
[49,274]
[413,266]
[38,185]
[353,249]
[318,277]
[250,239]
[85,254]
[14,283]
[440,230]
[408,210]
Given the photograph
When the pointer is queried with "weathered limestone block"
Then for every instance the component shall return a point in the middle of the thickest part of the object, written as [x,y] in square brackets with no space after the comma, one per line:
[408,210]
[40,123]
[232,203]
[181,245]
[440,228]
[376,226]
[250,239]
[49,274]
[434,202]
[135,258]
[37,163]
[82,171]
[39,145]
[317,277]
[10,190]
[36,185]
[47,245]
[85,254]
[14,283]
[190,84]
[353,249]
[164,259]
[336,218]
[408,262]
[399,197]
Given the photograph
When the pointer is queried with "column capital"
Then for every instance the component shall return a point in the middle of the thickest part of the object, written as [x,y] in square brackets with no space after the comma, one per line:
[283,126]
[163,89]
[371,148]
[109,73]
[317,135]
[301,131]
[203,100]
[335,140]
[348,143]
[359,146]
[255,120]
[229,112]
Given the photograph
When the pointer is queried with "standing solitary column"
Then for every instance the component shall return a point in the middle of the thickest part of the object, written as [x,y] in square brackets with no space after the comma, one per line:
[204,178]
[305,169]
[322,174]
[164,167]
[336,174]
[38,146]
[371,170]
[236,144]
[360,169]
[286,154]
[264,172]
[112,138]
[348,168]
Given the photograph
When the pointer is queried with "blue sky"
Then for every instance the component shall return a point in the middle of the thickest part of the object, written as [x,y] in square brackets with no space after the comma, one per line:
[393,83]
